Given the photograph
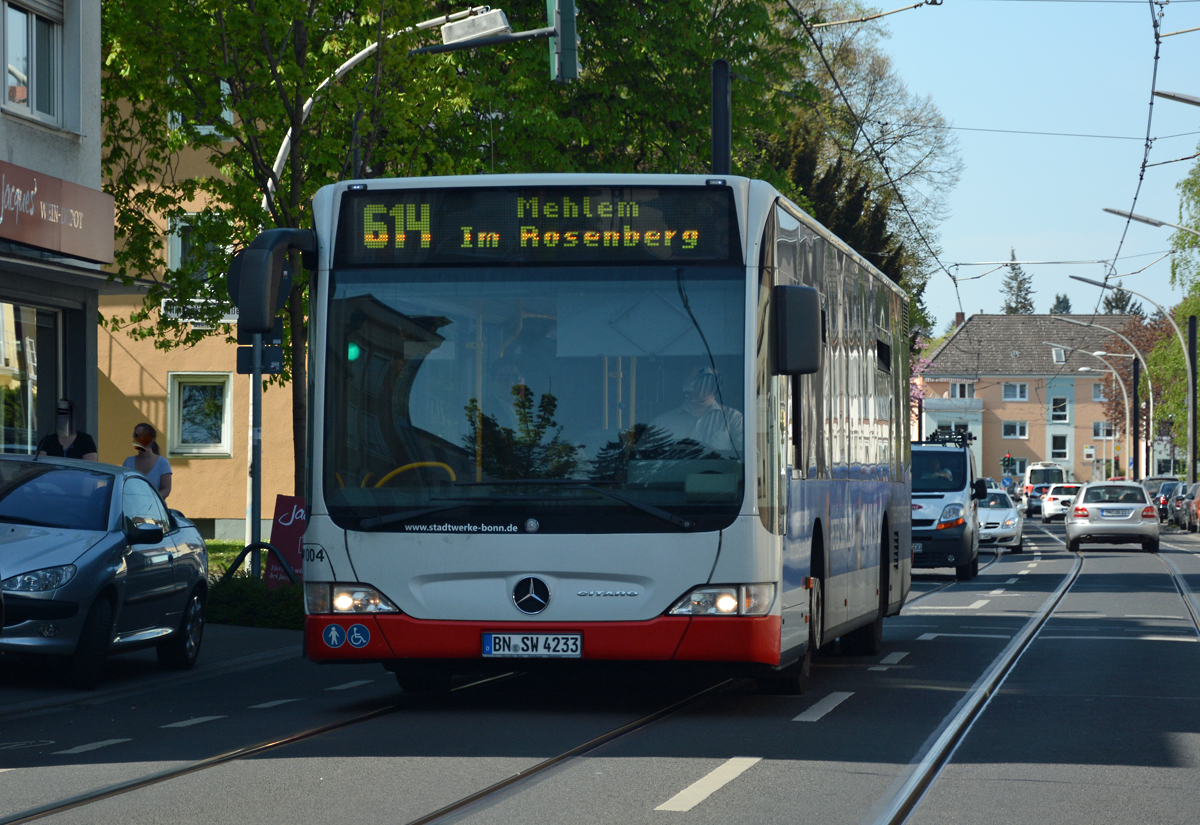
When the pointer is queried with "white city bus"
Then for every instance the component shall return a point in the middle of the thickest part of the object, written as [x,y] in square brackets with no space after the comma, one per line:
[549,427]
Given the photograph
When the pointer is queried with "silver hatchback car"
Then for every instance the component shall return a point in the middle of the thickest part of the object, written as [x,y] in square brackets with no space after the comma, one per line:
[92,563]
[1112,512]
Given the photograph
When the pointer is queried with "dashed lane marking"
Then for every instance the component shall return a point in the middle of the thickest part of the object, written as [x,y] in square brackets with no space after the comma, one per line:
[823,707]
[996,592]
[1022,572]
[973,606]
[349,685]
[1146,616]
[1032,564]
[893,658]
[274,704]
[701,790]
[92,746]
[1010,581]
[929,637]
[195,720]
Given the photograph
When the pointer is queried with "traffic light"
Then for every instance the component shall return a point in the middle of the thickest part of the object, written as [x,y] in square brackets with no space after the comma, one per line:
[564,49]
[1006,463]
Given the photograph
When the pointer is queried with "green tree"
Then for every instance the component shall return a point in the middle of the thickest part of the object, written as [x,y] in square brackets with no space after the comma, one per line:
[199,94]
[1017,289]
[1185,264]
[1120,302]
[1061,305]
[523,452]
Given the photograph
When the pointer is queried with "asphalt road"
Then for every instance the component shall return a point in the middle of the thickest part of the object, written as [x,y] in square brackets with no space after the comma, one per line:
[1098,721]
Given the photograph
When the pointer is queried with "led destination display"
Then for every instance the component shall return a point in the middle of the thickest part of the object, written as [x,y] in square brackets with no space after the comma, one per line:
[546,225]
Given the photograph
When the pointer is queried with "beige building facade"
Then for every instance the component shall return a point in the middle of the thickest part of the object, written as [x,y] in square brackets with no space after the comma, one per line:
[997,378]
[201,408]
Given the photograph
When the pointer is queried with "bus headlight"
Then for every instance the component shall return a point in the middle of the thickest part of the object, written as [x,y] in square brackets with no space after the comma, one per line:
[730,600]
[322,597]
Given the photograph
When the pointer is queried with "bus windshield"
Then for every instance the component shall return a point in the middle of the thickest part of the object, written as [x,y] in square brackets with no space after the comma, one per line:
[576,399]
[1046,475]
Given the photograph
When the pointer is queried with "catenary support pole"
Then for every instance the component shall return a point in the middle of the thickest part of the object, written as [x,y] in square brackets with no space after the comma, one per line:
[1191,405]
[1137,432]
[722,119]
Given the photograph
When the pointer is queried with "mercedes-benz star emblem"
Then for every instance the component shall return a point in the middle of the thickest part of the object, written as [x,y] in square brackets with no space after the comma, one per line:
[531,595]
[531,525]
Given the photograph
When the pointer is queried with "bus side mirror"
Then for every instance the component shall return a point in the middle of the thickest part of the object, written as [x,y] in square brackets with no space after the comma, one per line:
[256,283]
[797,330]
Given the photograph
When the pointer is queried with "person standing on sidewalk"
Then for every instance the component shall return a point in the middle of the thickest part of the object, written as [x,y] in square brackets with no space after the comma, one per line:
[66,441]
[147,461]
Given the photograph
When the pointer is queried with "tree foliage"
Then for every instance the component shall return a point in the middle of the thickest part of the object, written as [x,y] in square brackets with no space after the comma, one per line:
[1119,302]
[1061,305]
[1185,265]
[1147,336]
[1017,289]
[1168,368]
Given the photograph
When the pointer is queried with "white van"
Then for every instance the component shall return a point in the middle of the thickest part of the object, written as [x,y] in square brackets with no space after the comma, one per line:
[945,515]
[1043,472]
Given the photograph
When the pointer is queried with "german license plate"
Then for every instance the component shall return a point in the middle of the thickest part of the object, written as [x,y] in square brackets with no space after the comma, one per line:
[917,548]
[1115,513]
[533,645]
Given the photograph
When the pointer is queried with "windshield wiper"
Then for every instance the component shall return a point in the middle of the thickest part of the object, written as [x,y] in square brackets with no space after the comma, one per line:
[649,509]
[23,520]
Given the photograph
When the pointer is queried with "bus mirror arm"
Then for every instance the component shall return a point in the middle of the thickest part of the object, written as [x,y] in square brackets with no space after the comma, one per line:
[256,275]
[797,330]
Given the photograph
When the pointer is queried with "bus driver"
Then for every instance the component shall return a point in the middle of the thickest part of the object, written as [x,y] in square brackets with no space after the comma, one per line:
[700,418]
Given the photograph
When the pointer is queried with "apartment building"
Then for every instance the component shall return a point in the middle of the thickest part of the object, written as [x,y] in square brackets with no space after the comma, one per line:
[56,226]
[997,377]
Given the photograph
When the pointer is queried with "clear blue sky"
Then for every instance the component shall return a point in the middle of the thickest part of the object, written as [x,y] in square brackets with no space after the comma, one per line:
[1074,67]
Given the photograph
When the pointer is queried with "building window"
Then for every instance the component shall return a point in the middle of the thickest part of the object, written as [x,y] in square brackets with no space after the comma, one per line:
[1102,429]
[962,390]
[206,124]
[1060,355]
[1098,392]
[1016,392]
[1021,464]
[32,57]
[199,414]
[1058,410]
[1015,429]
[1058,446]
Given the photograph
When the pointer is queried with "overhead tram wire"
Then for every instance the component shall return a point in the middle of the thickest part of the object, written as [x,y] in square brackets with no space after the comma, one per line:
[858,123]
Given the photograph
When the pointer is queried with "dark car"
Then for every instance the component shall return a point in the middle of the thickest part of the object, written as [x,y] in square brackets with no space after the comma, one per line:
[1033,503]
[94,563]
[1162,498]
[1176,505]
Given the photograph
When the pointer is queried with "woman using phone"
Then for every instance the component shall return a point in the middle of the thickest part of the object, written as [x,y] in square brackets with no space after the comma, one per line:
[147,461]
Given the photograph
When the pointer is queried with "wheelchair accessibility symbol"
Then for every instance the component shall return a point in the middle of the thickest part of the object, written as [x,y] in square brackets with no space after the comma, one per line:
[334,635]
[358,635]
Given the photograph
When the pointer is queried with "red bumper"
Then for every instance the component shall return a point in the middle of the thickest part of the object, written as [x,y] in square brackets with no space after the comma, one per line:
[330,638]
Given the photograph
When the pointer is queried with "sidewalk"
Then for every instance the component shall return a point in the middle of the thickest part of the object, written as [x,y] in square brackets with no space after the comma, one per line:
[28,684]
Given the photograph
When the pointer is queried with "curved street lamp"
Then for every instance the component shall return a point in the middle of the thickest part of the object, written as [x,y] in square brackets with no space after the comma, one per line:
[1124,395]
[1099,356]
[1187,358]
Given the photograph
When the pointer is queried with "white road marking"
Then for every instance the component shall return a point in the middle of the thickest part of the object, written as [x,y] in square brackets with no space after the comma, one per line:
[1145,616]
[94,746]
[6,770]
[893,658]
[701,790]
[274,704]
[878,668]
[823,707]
[996,592]
[1022,572]
[1031,564]
[1010,581]
[349,685]
[972,606]
[929,637]
[1131,638]
[197,720]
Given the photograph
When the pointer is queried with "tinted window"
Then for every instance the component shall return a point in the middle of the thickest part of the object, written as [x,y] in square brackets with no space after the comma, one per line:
[1115,495]
[51,496]
[939,471]
[1046,476]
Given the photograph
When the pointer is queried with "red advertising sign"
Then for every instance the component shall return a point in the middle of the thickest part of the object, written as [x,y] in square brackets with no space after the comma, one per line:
[287,532]
[55,214]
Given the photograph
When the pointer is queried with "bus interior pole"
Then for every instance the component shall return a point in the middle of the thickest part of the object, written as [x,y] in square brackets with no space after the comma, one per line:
[722,119]
[256,456]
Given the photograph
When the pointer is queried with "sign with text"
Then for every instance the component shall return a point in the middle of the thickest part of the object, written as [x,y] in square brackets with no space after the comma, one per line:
[56,215]
[538,225]
[287,533]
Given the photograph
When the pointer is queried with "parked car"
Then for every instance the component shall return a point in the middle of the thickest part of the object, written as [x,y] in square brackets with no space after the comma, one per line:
[1057,501]
[1033,501]
[1187,511]
[1112,512]
[1162,497]
[1177,506]
[94,563]
[1000,521]
[1154,484]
